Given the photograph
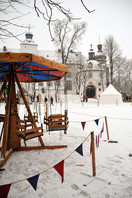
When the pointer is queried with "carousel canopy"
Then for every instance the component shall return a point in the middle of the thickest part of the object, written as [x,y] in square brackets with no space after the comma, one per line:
[30,67]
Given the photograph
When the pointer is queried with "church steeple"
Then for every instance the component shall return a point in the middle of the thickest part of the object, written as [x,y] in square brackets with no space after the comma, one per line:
[29,36]
[99,46]
[91,54]
[28,45]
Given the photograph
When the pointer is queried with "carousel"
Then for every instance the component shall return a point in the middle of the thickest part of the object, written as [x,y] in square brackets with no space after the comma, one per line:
[16,68]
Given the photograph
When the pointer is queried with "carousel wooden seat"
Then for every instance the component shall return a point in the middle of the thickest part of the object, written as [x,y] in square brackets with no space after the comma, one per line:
[28,119]
[26,133]
[56,122]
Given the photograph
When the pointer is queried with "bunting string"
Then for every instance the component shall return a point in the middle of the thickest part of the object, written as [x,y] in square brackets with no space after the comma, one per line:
[52,166]
[58,167]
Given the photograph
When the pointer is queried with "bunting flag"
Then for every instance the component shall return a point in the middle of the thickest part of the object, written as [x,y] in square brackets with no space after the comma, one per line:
[102,130]
[79,149]
[98,140]
[83,124]
[60,169]
[33,181]
[4,190]
[97,121]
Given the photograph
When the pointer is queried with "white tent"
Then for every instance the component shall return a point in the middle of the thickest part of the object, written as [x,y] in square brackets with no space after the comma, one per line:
[110,96]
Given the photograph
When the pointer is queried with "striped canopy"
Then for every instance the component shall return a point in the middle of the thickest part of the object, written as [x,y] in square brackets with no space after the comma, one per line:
[30,67]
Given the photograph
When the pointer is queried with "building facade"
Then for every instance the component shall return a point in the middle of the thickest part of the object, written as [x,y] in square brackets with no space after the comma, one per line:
[87,78]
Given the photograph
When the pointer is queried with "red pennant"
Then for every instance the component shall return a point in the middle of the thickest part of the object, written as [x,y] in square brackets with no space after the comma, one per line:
[60,169]
[98,140]
[4,190]
[83,124]
[102,128]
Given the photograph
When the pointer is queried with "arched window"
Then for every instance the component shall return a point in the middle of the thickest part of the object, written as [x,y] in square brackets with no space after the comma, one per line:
[69,85]
[90,65]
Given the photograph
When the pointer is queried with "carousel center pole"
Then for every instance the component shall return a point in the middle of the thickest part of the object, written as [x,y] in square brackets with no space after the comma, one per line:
[10,138]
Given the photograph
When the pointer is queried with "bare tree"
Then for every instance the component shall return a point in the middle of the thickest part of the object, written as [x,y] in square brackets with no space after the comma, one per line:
[120,72]
[48,7]
[44,8]
[9,8]
[77,66]
[113,51]
[67,35]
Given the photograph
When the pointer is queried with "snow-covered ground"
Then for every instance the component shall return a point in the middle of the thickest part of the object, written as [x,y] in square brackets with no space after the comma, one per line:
[113,163]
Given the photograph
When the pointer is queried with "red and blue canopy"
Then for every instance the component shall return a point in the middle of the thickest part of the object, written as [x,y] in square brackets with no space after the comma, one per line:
[30,67]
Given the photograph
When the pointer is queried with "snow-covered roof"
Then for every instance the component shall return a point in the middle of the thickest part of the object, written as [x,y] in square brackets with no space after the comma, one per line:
[95,64]
[110,90]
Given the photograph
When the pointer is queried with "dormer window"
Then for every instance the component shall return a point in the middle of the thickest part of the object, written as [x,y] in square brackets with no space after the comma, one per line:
[90,65]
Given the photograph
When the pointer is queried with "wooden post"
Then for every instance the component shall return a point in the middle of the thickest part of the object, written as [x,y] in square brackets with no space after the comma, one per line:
[14,140]
[6,121]
[93,154]
[46,114]
[107,128]
[65,131]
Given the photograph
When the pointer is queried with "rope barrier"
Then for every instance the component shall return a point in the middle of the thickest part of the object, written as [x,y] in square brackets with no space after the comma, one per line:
[52,166]
[100,116]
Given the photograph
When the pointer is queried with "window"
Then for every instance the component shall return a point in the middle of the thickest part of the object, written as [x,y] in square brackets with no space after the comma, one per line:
[69,85]
[42,90]
[90,65]
[99,89]
[101,75]
[49,83]
[90,75]
[69,74]
[40,83]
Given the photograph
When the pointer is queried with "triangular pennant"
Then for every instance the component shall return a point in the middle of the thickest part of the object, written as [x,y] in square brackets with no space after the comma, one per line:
[60,169]
[97,121]
[83,124]
[4,190]
[80,149]
[98,140]
[33,181]
[102,130]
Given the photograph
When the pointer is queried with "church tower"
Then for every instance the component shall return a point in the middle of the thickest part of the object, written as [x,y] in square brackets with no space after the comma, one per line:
[28,45]
[100,55]
[91,54]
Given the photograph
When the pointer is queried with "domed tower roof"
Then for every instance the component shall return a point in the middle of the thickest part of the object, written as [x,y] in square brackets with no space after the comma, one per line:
[100,55]
[91,54]
[29,37]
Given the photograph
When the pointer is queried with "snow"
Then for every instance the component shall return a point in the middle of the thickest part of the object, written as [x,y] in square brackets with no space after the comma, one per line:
[113,163]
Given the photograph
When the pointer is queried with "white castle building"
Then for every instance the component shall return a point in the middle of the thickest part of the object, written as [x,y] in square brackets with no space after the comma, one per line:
[88,78]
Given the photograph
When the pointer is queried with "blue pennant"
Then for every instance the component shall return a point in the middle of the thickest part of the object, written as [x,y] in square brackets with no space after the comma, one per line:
[80,150]
[33,181]
[97,121]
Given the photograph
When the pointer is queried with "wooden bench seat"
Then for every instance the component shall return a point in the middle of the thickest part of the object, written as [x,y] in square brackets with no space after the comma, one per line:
[56,122]
[26,133]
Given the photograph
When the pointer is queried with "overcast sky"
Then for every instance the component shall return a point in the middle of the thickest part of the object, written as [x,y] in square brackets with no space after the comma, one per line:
[111,17]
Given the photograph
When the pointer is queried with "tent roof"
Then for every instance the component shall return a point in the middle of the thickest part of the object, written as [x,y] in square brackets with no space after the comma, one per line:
[110,90]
